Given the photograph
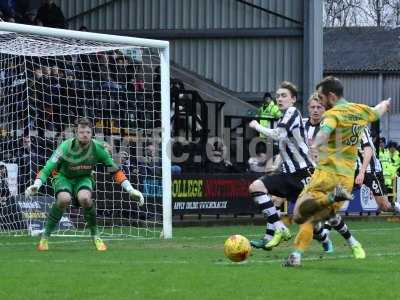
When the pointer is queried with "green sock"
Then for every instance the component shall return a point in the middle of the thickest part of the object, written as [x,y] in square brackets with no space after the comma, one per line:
[90,218]
[52,220]
[331,198]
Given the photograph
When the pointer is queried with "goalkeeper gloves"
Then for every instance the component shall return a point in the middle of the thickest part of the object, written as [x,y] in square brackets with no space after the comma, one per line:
[135,194]
[33,189]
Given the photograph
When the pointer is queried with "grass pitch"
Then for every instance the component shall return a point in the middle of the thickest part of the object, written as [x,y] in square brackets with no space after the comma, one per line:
[192,266]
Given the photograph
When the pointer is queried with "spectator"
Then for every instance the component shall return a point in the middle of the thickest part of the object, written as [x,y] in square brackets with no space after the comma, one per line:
[394,155]
[150,181]
[51,15]
[83,28]
[4,195]
[390,160]
[4,189]
[258,163]
[268,110]
[127,166]
[29,161]
[216,162]
[151,166]
[30,18]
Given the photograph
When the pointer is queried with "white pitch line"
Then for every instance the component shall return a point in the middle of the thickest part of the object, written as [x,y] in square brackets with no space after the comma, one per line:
[71,241]
[268,261]
[258,235]
[105,261]
[82,239]
[185,262]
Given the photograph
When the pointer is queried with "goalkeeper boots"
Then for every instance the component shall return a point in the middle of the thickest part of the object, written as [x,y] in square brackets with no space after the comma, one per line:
[279,235]
[43,244]
[259,244]
[358,251]
[341,194]
[100,245]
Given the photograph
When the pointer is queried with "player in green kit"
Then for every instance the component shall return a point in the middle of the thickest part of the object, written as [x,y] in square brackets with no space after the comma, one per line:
[71,166]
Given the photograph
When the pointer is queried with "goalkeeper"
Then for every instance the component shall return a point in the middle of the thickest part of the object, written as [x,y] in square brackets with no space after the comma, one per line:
[71,166]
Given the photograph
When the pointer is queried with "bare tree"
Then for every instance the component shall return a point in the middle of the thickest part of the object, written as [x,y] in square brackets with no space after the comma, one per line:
[379,11]
[395,5]
[340,12]
[362,12]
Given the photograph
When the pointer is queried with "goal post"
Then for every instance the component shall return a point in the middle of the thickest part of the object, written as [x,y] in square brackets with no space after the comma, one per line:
[121,83]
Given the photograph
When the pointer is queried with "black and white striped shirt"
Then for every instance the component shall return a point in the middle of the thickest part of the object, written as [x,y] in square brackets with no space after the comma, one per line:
[293,145]
[311,130]
[366,141]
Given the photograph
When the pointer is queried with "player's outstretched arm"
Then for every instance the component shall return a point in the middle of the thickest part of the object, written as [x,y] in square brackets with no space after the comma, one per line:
[135,194]
[275,134]
[383,106]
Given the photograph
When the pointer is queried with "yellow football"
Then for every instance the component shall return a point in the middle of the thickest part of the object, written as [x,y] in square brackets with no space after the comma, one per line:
[237,248]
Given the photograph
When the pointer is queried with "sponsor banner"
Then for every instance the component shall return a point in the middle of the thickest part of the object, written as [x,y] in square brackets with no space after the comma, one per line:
[33,213]
[212,193]
[228,194]
[367,199]
[363,201]
[152,187]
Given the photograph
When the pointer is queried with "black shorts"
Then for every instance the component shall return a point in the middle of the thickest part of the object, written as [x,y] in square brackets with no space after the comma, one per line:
[376,183]
[287,185]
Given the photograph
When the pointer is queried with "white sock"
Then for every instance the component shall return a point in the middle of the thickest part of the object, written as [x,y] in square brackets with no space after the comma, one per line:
[352,241]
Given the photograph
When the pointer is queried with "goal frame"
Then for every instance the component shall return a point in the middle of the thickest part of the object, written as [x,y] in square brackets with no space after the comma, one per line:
[165,94]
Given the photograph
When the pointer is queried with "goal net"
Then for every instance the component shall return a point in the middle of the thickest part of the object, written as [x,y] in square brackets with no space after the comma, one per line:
[51,77]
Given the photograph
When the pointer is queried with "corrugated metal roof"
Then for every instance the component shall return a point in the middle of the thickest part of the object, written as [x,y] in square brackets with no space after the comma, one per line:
[178,14]
[242,65]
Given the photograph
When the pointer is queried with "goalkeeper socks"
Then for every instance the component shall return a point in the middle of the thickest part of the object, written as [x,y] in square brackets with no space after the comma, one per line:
[52,220]
[90,218]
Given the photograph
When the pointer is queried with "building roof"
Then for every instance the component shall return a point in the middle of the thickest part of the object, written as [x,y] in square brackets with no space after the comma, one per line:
[361,49]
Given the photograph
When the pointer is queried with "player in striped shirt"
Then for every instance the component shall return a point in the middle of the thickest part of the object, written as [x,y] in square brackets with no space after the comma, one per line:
[315,111]
[335,149]
[296,164]
[369,171]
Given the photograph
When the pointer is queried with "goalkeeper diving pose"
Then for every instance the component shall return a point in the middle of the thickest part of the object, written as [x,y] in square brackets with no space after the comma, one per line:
[71,165]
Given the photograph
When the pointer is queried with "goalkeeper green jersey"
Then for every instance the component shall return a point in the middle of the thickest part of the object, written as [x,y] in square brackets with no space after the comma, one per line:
[71,160]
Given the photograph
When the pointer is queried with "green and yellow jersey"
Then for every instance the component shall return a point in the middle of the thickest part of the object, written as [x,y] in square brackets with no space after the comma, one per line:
[344,123]
[72,161]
